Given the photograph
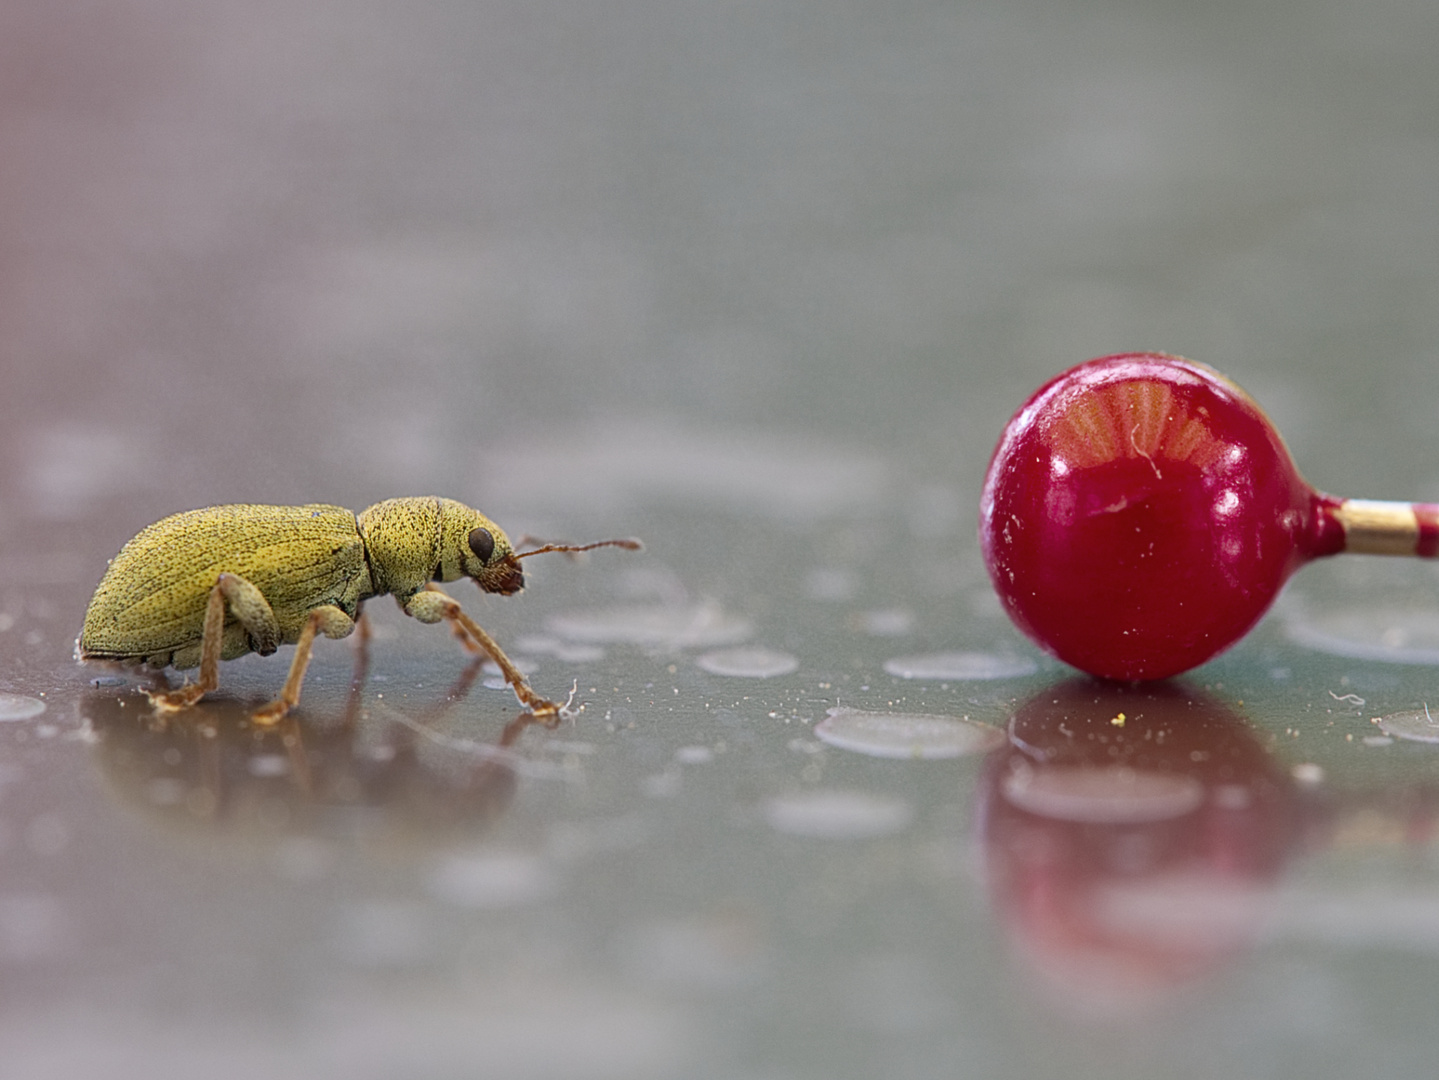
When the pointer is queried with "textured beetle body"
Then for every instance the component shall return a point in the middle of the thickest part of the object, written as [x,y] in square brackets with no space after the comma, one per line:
[150,606]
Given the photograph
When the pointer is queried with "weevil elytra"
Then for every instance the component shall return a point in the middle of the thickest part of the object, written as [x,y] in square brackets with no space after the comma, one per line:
[213,584]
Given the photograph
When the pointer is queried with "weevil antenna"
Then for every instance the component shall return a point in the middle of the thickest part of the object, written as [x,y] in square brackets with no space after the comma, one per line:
[629,544]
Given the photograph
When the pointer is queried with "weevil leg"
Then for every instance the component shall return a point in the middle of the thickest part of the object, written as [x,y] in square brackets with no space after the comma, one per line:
[432,604]
[326,619]
[212,636]
[252,611]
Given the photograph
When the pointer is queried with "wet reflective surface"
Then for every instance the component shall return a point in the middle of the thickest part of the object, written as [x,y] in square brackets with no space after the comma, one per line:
[759,285]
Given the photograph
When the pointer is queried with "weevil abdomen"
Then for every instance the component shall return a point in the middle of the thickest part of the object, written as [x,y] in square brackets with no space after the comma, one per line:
[150,605]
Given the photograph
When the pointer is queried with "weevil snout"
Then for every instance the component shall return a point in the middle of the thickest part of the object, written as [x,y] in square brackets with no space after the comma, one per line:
[506,579]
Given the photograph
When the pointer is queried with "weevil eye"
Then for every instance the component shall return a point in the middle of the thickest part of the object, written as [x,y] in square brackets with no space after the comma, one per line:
[482,544]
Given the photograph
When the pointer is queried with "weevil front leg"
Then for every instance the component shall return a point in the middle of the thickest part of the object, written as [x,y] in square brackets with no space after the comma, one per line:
[430,605]
[251,610]
[326,619]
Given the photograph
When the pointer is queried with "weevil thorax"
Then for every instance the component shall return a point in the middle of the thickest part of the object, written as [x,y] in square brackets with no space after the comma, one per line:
[416,540]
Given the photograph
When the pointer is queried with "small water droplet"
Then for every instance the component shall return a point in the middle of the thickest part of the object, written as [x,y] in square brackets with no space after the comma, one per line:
[548,645]
[961,666]
[1416,725]
[1102,795]
[19,707]
[906,735]
[1392,635]
[748,663]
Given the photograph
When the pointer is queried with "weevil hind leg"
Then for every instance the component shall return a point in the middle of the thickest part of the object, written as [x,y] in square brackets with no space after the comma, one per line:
[252,611]
[212,637]
[432,604]
[328,620]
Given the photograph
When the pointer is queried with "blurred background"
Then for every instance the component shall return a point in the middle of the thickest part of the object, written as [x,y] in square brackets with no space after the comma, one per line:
[759,283]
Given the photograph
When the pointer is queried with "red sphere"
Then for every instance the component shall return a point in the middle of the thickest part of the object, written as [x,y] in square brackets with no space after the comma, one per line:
[1141,513]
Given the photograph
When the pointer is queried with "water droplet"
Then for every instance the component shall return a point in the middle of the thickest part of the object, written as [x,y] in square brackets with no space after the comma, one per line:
[1416,725]
[694,755]
[838,815]
[661,626]
[961,665]
[19,707]
[544,644]
[748,663]
[1102,795]
[1392,635]
[906,735]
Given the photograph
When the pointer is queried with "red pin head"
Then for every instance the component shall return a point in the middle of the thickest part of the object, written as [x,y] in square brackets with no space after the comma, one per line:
[1141,513]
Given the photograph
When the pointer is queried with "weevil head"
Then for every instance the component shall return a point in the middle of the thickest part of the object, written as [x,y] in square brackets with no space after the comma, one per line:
[417,540]
[473,546]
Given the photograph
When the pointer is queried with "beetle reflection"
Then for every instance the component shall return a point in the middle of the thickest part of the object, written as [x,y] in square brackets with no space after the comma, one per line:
[1131,835]
[216,770]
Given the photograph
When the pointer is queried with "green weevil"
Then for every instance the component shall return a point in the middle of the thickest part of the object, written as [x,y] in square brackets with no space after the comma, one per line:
[213,584]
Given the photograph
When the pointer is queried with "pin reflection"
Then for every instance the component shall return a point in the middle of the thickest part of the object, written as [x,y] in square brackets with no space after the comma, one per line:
[1131,836]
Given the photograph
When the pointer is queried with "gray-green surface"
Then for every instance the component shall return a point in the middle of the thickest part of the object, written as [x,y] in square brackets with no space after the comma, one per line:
[759,283]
